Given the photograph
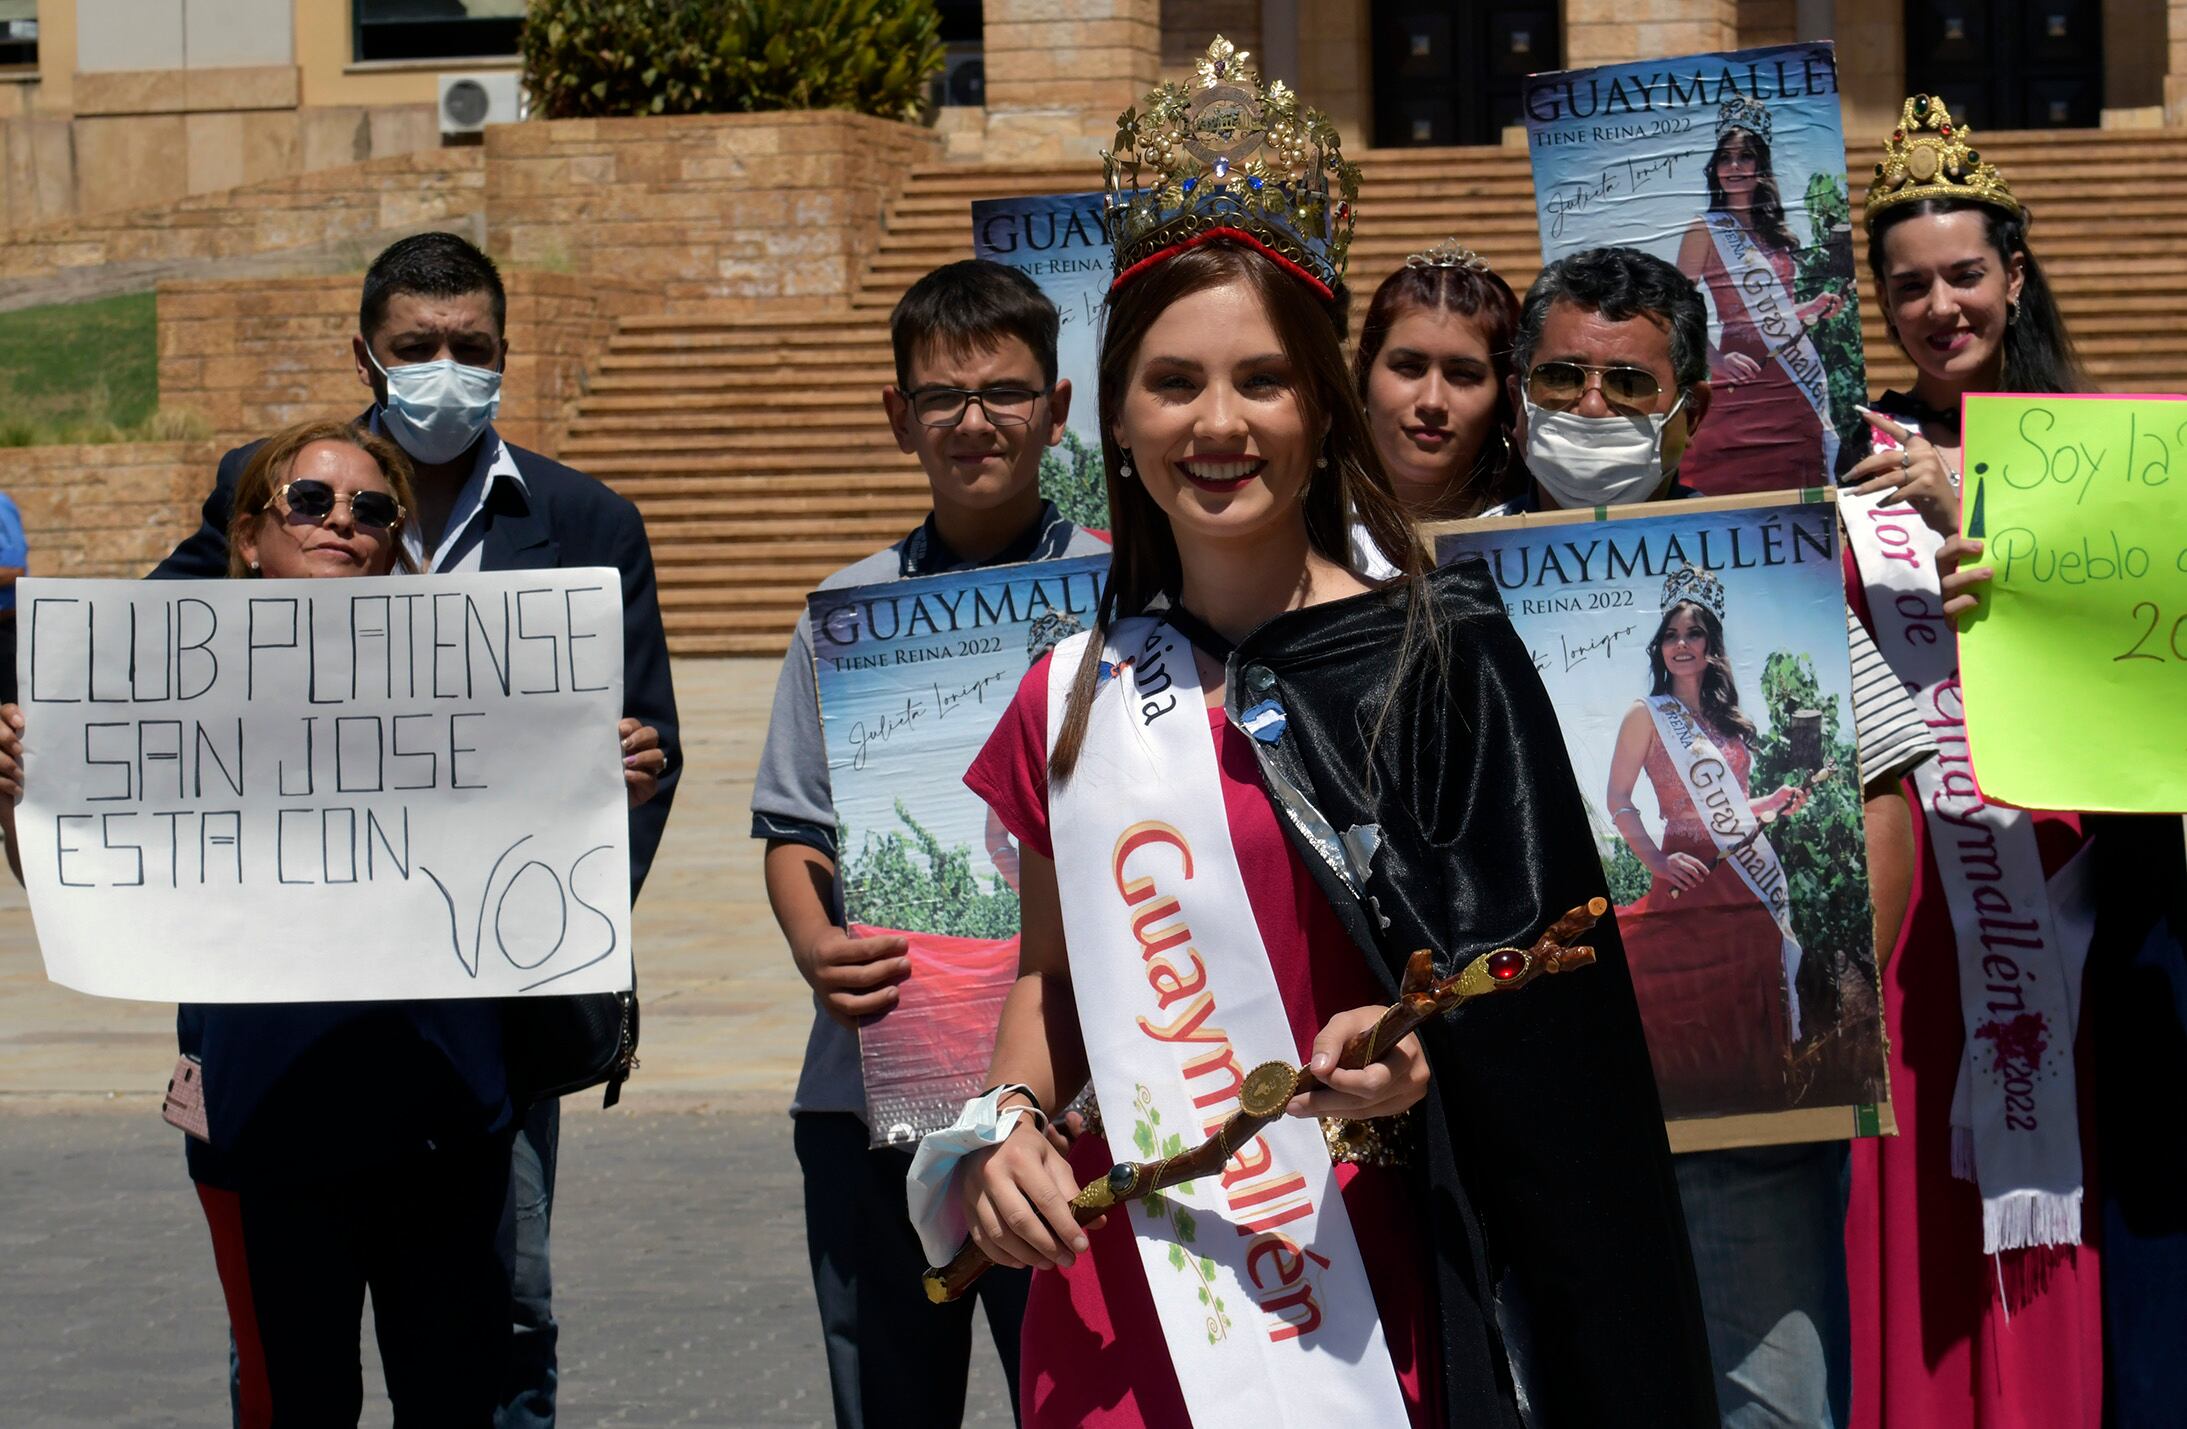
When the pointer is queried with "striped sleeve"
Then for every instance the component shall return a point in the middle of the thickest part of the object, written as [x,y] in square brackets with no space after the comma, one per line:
[1891,738]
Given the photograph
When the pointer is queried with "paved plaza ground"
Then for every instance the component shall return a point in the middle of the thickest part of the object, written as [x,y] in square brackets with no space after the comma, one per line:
[679,1249]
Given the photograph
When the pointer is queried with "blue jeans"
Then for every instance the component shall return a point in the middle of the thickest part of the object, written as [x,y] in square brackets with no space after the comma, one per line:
[528,1398]
[1768,1230]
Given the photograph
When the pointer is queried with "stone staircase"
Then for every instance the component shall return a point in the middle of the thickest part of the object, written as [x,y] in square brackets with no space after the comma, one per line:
[755,446]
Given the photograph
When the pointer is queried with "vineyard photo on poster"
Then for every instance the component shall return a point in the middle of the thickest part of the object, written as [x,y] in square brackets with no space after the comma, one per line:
[1732,167]
[912,677]
[1058,241]
[1697,659]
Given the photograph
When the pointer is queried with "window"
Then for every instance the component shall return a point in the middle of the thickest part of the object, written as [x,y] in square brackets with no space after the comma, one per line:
[435,29]
[18,34]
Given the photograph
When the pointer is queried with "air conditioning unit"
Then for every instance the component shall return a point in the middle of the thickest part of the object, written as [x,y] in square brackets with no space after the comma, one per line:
[470,102]
[962,79]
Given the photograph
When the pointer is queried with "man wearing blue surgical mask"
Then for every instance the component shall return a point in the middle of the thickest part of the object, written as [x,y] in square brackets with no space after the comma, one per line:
[1610,373]
[431,345]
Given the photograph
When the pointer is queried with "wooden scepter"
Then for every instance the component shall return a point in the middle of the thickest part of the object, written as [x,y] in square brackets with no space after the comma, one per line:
[1269,1087]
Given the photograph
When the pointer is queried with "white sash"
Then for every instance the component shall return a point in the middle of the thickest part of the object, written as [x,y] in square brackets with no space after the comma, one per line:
[1257,1279]
[2016,1119]
[1728,816]
[1771,308]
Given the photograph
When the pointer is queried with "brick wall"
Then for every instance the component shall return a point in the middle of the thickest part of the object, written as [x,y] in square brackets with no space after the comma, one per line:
[1768,22]
[1613,31]
[253,355]
[765,207]
[1059,73]
[107,510]
[404,193]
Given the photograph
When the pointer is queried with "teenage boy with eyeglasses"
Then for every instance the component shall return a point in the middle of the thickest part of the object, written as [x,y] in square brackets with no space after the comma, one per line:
[1611,376]
[977,400]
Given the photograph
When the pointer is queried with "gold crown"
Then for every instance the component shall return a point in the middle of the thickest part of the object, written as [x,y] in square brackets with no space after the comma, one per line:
[1232,158]
[1928,156]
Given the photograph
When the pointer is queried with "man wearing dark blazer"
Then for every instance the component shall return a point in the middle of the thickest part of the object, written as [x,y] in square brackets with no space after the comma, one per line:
[431,345]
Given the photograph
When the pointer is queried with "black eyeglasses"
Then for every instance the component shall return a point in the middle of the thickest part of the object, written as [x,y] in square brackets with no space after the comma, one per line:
[1558,385]
[314,501]
[1004,406]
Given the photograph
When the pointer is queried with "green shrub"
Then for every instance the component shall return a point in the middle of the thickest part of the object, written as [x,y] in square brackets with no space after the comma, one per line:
[604,58]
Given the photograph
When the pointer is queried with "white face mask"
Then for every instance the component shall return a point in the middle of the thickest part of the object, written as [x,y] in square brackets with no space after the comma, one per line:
[1596,461]
[435,410]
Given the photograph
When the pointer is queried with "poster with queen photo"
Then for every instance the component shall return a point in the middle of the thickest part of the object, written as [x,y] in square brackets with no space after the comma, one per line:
[1732,167]
[913,676]
[1696,654]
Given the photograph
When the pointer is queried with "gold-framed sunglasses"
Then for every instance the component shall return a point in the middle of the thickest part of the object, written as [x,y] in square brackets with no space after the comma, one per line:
[1558,385]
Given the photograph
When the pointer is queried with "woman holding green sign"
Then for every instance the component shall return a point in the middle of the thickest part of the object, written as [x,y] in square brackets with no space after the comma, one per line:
[1966,1257]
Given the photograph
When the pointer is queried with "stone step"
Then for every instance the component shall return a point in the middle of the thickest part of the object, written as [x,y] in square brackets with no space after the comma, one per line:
[728,467]
[859,385]
[712,419]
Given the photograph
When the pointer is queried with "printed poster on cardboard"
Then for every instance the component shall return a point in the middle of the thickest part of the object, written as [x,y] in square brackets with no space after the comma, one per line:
[1059,242]
[913,676]
[1696,653]
[1732,167]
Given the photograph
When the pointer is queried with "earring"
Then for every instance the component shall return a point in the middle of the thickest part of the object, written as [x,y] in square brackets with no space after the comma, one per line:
[1123,470]
[254,565]
[2012,311]
[1321,463]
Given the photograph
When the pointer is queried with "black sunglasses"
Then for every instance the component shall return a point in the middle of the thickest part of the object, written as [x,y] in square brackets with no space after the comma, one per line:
[314,501]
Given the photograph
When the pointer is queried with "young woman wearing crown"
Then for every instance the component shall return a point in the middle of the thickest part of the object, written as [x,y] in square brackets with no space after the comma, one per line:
[1976,1292]
[1243,800]
[1740,1024]
[1772,425]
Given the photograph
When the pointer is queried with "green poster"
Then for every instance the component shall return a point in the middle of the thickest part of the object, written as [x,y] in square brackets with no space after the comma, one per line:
[2074,665]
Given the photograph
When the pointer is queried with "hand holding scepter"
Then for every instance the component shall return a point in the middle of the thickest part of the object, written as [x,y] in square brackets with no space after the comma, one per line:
[1269,1087]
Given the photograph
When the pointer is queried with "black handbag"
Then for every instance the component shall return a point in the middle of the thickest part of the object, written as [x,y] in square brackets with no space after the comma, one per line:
[558,1045]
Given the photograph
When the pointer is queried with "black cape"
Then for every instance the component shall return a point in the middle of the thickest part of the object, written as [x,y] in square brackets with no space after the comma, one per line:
[1548,1176]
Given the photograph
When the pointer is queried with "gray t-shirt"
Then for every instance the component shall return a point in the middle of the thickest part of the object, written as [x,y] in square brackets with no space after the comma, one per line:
[791,799]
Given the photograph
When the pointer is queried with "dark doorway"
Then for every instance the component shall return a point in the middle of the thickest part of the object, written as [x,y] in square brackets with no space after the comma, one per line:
[1452,72]
[2009,64]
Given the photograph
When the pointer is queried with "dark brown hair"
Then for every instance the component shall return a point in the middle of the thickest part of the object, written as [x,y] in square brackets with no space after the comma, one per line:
[1352,488]
[269,467]
[972,306]
[1477,293]
[1766,211]
[1719,691]
[2039,355]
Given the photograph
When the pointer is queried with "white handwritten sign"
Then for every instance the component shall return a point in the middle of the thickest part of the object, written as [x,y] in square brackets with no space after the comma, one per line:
[312,790]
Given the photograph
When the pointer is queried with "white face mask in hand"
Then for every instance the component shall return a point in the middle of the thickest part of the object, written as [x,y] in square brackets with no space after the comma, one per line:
[435,410]
[1596,461]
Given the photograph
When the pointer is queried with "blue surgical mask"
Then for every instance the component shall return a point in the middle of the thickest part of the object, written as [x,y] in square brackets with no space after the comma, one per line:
[435,410]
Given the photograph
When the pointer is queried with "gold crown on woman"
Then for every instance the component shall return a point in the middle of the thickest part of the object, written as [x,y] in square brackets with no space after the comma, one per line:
[1928,156]
[1229,158]
[1696,584]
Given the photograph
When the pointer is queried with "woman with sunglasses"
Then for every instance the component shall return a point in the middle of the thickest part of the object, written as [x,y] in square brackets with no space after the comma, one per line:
[1432,366]
[354,1147]
[1243,801]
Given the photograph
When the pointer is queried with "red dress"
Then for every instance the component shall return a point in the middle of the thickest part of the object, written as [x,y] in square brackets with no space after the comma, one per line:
[1762,434]
[1091,1352]
[1718,1028]
[1945,1337]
